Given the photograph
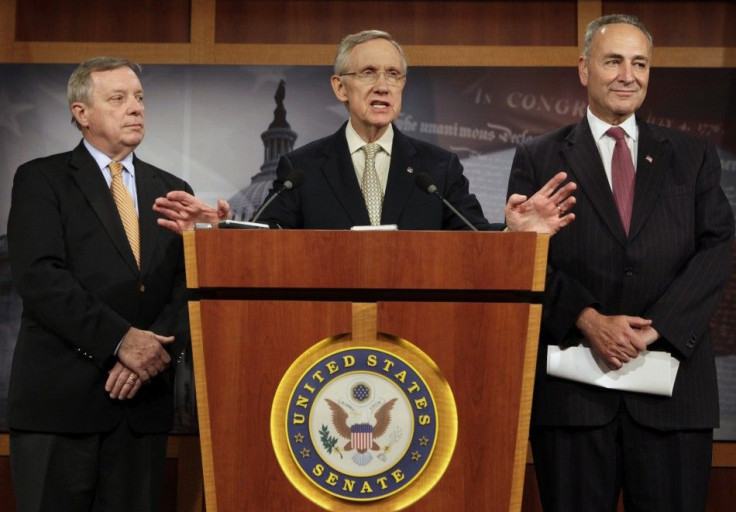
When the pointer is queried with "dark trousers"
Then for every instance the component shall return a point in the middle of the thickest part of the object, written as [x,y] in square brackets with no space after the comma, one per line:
[117,471]
[581,469]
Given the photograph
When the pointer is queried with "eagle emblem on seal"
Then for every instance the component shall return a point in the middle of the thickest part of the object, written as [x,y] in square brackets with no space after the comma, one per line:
[361,436]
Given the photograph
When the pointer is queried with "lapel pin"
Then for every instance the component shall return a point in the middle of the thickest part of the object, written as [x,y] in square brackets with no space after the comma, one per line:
[410,170]
[649,159]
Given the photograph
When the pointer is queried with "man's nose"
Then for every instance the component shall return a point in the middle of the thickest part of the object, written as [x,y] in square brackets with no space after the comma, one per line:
[627,72]
[135,105]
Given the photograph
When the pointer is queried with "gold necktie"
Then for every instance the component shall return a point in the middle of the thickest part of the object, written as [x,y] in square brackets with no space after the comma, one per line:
[371,186]
[126,208]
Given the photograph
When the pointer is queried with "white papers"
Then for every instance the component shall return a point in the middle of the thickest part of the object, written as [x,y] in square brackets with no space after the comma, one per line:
[382,227]
[650,372]
[240,224]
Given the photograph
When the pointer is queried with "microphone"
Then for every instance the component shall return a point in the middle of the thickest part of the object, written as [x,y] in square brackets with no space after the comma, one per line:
[424,182]
[294,180]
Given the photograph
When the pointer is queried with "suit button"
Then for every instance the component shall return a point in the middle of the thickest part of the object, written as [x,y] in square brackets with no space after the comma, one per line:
[142,288]
[628,271]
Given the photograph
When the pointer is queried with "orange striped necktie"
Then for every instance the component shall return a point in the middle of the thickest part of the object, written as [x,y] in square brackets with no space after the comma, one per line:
[126,208]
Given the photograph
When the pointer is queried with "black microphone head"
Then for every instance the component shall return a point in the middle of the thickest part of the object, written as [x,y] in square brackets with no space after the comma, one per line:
[425,182]
[296,178]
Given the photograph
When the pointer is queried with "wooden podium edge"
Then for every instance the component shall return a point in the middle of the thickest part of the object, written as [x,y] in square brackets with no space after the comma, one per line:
[190,259]
[527,378]
[203,410]
[540,263]
[525,406]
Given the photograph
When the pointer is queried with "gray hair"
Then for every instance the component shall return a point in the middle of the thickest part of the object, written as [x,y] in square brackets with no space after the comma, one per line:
[610,19]
[79,87]
[342,58]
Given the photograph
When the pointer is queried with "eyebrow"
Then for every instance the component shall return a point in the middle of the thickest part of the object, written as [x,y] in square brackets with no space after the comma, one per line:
[124,91]
[620,56]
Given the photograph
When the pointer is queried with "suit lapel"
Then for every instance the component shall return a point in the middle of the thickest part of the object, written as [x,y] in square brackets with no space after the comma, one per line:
[587,169]
[92,184]
[339,173]
[400,183]
[652,162]
[146,180]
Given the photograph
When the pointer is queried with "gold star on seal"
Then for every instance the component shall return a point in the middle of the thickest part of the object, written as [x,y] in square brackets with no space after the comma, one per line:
[415,456]
[423,441]
[305,453]
[298,438]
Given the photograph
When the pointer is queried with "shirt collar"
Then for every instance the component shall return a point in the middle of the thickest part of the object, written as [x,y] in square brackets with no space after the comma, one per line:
[599,127]
[355,142]
[103,160]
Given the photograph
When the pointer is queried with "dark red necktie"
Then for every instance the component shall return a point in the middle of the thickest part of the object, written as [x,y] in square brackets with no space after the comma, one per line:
[623,176]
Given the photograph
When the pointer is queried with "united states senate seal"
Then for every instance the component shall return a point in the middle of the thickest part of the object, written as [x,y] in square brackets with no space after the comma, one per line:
[361,423]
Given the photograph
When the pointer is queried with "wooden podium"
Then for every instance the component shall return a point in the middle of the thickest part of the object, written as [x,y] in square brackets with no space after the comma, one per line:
[470,301]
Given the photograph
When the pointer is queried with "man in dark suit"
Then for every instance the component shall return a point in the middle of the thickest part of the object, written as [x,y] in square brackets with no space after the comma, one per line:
[370,75]
[91,387]
[624,282]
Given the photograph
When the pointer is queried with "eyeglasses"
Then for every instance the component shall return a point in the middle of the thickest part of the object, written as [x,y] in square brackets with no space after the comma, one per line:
[369,76]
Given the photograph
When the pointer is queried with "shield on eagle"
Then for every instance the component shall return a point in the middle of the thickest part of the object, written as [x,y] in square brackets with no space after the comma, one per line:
[361,434]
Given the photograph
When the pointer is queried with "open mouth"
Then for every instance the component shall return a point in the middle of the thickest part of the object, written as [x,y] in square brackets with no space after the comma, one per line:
[381,105]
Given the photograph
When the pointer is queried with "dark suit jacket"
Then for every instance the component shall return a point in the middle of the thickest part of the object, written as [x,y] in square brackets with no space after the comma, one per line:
[671,269]
[330,197]
[81,290]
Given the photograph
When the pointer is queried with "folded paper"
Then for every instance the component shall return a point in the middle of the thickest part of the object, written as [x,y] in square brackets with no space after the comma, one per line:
[651,372]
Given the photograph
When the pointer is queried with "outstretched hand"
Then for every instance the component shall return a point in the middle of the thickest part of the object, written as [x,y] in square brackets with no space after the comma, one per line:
[547,211]
[182,211]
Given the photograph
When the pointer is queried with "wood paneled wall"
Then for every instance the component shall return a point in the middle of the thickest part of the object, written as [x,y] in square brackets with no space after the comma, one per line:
[81,21]
[305,32]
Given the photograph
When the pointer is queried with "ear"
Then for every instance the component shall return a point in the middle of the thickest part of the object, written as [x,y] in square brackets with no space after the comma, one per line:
[80,113]
[338,87]
[583,70]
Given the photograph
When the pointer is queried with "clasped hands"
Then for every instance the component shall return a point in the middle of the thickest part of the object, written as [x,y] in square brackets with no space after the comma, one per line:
[616,338]
[141,357]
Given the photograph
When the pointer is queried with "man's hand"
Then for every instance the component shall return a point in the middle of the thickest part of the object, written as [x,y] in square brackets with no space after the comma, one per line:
[547,211]
[122,382]
[648,334]
[182,211]
[618,338]
[143,353]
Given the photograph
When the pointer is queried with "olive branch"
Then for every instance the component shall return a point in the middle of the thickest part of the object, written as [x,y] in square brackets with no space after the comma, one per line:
[327,441]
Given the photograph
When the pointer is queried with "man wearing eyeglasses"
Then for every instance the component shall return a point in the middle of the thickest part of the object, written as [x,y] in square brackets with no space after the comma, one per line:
[340,188]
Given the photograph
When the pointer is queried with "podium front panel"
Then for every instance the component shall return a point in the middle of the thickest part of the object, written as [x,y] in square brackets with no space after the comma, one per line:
[469,301]
[480,348]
